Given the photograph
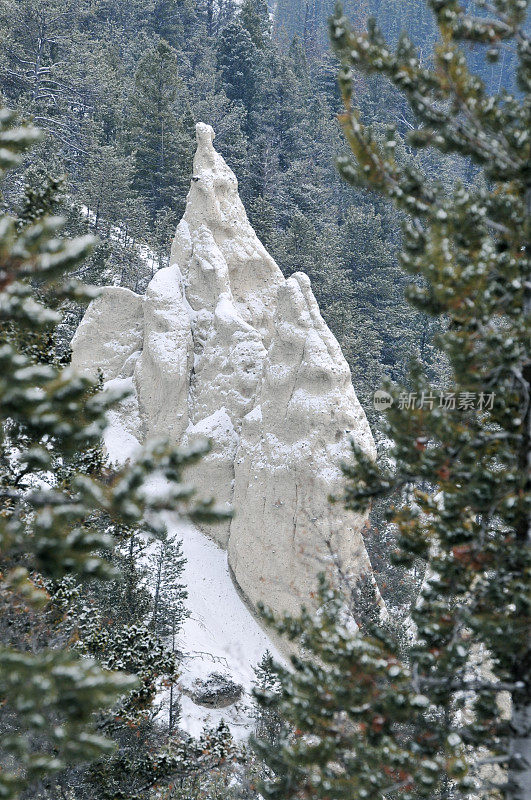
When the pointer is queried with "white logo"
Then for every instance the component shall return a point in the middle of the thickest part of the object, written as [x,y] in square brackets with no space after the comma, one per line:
[382,400]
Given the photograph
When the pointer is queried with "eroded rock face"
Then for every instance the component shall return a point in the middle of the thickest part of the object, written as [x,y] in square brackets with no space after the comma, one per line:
[111,331]
[223,346]
[288,460]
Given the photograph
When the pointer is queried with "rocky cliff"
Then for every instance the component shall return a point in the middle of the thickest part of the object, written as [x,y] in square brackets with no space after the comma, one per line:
[223,346]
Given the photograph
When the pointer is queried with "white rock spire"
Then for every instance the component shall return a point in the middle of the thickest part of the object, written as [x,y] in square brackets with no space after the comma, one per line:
[223,346]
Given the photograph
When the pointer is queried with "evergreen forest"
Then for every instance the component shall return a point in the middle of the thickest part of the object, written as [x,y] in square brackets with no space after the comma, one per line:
[381,147]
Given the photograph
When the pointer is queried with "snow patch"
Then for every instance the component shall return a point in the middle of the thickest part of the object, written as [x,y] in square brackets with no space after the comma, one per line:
[220,634]
[120,443]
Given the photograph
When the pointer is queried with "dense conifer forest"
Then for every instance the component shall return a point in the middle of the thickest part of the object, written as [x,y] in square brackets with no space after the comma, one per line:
[390,163]
[117,88]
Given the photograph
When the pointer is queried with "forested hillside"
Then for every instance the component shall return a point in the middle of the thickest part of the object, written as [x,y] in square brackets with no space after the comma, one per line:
[117,87]
[352,621]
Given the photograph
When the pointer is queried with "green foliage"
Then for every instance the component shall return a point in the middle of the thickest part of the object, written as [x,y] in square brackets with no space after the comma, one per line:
[236,58]
[269,724]
[51,505]
[154,125]
[167,565]
[449,716]
[254,16]
[338,703]
[48,698]
[118,87]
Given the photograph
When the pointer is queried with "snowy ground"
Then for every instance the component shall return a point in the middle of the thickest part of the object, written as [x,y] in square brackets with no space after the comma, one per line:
[220,635]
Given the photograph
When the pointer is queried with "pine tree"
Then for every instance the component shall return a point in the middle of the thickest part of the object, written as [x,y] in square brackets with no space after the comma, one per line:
[236,57]
[267,690]
[108,184]
[39,528]
[154,127]
[169,594]
[171,18]
[451,717]
[38,68]
[254,16]
[49,415]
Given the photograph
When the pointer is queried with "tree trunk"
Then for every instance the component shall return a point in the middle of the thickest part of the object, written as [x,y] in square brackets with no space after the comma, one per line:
[157,588]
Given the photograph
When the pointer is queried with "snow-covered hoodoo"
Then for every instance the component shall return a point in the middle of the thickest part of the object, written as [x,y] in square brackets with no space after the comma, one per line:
[223,346]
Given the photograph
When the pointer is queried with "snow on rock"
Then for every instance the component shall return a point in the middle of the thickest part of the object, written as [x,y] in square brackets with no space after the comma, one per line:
[162,372]
[217,691]
[111,330]
[232,350]
[123,432]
